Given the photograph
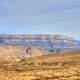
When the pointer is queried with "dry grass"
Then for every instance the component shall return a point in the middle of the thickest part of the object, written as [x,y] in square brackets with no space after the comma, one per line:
[50,67]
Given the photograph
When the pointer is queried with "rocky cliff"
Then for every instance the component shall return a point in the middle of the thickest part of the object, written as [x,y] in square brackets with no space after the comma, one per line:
[50,43]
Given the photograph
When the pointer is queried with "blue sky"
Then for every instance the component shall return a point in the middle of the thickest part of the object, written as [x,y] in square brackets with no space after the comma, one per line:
[40,17]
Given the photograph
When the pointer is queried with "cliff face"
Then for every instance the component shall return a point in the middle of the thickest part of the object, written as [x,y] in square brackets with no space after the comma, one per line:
[50,43]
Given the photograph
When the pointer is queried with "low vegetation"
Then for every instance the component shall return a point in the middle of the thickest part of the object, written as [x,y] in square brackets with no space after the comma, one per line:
[62,66]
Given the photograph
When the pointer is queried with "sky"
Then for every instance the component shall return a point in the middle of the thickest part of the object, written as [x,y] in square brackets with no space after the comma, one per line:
[60,17]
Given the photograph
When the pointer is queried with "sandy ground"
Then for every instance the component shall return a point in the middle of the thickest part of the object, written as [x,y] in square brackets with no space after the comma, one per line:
[52,67]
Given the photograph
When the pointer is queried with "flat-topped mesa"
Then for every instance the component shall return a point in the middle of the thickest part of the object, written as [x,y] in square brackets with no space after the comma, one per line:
[44,36]
[45,41]
[63,37]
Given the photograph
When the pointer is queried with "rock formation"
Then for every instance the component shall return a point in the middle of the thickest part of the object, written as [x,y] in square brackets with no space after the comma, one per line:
[51,43]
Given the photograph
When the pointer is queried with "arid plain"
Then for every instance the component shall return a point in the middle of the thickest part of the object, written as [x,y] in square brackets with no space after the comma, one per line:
[53,66]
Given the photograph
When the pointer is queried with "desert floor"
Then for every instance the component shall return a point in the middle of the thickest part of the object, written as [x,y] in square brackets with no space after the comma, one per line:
[50,67]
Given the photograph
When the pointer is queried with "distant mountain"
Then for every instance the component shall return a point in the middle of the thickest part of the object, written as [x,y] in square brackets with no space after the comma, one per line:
[51,43]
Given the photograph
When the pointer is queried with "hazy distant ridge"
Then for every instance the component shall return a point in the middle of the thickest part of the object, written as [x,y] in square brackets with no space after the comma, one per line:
[48,42]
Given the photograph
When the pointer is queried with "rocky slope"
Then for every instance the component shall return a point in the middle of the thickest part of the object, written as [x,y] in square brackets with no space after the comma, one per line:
[11,53]
[50,43]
